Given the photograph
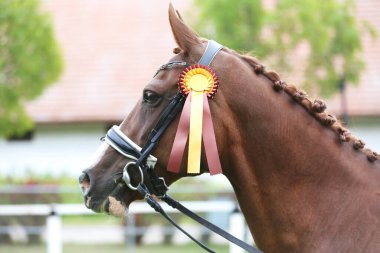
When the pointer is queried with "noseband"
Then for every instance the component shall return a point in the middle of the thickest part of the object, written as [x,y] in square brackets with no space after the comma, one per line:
[142,160]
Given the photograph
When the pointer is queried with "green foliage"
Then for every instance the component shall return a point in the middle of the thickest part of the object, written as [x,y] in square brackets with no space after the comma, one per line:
[30,60]
[326,31]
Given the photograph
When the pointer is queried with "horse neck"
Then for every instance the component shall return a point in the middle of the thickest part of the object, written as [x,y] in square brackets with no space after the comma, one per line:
[285,167]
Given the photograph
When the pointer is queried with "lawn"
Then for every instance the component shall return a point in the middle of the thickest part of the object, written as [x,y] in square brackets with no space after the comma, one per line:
[112,248]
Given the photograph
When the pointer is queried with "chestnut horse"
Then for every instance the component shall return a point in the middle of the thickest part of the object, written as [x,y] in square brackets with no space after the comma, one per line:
[303,182]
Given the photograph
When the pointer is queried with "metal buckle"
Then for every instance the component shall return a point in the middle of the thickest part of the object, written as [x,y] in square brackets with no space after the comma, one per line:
[127,178]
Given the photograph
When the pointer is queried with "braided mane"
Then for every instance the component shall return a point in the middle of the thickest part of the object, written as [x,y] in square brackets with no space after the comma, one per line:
[315,108]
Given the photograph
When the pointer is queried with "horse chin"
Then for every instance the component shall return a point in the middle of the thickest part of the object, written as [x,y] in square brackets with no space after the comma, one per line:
[116,203]
[115,207]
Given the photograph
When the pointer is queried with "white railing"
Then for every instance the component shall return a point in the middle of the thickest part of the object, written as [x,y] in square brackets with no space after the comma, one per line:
[55,211]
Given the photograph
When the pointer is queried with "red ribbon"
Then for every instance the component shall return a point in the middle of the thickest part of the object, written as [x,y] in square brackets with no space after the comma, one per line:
[209,141]
[180,140]
[182,135]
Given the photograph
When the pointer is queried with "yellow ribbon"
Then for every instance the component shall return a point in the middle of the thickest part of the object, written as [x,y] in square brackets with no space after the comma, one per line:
[198,81]
[195,134]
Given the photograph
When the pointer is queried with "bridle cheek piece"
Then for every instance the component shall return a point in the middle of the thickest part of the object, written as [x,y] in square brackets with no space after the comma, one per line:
[142,160]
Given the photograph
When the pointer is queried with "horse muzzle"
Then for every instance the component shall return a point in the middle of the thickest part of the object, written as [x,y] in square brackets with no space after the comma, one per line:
[119,194]
[85,185]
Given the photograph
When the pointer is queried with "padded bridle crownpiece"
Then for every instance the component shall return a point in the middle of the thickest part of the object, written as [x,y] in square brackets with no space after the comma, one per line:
[211,51]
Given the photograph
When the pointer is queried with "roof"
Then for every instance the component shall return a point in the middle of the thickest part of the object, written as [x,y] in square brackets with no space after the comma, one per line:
[112,48]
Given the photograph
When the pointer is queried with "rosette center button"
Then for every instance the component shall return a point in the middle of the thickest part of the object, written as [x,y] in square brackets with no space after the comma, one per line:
[198,82]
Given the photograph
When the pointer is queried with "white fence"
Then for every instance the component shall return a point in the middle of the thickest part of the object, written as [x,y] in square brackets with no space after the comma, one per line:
[55,211]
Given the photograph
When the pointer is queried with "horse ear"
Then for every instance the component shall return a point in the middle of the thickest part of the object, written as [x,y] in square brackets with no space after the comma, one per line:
[183,35]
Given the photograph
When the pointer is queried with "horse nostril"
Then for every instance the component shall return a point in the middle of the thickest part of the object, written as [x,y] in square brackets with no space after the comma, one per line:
[84,181]
[83,177]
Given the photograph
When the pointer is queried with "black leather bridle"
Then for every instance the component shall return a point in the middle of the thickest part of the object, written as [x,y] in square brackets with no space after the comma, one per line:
[143,162]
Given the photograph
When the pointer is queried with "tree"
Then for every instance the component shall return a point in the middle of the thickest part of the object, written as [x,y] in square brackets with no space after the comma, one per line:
[30,60]
[326,31]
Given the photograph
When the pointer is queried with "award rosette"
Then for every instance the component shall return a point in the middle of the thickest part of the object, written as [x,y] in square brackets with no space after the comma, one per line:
[198,78]
[197,83]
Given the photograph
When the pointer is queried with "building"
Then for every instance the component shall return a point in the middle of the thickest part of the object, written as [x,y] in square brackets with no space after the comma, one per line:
[111,49]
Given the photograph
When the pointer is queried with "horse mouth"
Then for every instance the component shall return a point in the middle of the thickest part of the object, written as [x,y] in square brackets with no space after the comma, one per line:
[115,204]
[110,205]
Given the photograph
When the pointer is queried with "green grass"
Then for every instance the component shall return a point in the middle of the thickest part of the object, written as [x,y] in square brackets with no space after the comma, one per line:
[112,248]
[98,219]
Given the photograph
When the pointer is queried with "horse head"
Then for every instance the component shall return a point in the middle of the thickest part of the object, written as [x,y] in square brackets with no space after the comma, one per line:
[287,159]
[101,178]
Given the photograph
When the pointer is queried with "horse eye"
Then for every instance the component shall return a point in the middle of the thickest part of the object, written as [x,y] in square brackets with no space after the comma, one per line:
[150,97]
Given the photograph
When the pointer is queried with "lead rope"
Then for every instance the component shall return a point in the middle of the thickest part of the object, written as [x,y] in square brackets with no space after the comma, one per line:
[143,190]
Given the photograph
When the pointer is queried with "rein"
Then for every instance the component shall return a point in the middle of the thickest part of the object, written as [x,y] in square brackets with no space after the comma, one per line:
[143,163]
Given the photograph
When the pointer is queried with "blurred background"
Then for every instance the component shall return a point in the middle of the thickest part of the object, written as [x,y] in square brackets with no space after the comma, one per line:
[70,69]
